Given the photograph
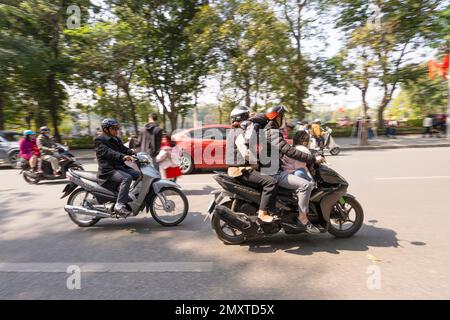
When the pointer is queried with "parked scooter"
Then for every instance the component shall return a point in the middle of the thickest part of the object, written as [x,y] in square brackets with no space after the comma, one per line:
[234,210]
[90,202]
[329,143]
[66,161]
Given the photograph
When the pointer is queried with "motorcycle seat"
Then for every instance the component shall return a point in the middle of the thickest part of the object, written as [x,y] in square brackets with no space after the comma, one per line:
[88,175]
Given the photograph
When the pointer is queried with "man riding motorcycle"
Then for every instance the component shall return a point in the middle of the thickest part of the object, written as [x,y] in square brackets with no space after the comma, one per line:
[47,147]
[243,170]
[276,143]
[317,133]
[111,157]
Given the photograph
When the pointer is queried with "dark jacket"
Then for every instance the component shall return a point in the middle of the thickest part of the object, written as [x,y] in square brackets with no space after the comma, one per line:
[110,152]
[45,143]
[276,143]
[250,130]
[150,139]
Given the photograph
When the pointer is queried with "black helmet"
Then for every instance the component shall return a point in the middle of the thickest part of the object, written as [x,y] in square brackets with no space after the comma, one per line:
[274,112]
[108,123]
[44,129]
[239,114]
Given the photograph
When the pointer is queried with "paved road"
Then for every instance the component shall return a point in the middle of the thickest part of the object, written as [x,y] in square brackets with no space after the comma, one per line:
[404,241]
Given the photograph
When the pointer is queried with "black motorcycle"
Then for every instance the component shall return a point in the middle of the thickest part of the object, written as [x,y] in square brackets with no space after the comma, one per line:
[234,209]
[66,161]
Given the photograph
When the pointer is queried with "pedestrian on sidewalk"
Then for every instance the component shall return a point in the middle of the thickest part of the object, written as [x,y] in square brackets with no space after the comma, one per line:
[150,139]
[391,129]
[428,126]
[168,159]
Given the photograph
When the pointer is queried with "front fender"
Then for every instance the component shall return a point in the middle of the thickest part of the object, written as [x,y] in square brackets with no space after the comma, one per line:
[162,183]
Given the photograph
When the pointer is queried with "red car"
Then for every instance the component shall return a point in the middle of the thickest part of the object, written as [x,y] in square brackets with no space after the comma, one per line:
[203,147]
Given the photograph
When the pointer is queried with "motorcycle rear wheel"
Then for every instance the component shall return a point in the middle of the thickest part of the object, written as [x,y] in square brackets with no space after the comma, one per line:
[335,151]
[220,227]
[351,205]
[30,179]
[73,200]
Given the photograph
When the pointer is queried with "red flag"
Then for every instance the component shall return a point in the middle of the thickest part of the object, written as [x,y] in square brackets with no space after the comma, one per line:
[445,66]
[433,67]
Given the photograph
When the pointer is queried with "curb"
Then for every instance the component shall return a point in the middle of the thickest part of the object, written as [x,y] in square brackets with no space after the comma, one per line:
[411,146]
[356,148]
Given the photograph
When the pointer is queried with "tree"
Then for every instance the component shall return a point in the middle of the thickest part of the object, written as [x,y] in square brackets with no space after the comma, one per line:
[42,23]
[106,53]
[170,66]
[397,31]
[296,77]
[254,42]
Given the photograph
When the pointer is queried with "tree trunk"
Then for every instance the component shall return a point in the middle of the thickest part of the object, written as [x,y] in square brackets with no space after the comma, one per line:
[53,108]
[173,120]
[133,110]
[40,119]
[248,98]
[2,107]
[299,100]
[363,132]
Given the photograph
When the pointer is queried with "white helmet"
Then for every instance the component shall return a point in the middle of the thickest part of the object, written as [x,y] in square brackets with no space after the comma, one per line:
[239,114]
[317,121]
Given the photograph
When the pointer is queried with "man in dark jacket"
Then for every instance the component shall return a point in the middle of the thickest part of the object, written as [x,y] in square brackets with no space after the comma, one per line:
[278,147]
[150,138]
[111,157]
[240,164]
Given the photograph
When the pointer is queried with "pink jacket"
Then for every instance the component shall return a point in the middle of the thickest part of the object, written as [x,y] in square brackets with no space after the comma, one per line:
[28,148]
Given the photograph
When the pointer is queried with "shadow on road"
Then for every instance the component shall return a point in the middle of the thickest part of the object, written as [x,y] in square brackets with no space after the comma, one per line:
[143,224]
[368,236]
[205,190]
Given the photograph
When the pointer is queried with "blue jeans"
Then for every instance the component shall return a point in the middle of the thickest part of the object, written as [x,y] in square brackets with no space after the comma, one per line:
[302,174]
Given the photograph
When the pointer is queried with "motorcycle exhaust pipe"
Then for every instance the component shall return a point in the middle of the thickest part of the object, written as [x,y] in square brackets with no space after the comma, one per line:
[87,212]
[232,220]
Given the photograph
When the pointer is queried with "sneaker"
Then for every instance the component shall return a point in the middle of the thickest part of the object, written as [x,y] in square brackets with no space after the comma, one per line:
[121,210]
[312,229]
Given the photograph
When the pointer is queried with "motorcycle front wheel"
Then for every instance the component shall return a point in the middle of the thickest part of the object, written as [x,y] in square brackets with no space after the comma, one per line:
[80,198]
[225,232]
[169,207]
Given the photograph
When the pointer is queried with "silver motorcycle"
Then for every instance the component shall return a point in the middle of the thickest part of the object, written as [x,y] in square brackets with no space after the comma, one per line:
[89,202]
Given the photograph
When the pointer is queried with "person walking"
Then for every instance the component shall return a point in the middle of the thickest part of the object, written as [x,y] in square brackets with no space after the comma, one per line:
[150,138]
[428,126]
[168,159]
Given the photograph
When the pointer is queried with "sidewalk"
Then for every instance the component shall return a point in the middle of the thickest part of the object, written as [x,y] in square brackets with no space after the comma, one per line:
[407,141]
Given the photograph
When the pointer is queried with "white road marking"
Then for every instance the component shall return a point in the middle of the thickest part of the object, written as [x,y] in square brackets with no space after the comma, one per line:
[414,178]
[126,267]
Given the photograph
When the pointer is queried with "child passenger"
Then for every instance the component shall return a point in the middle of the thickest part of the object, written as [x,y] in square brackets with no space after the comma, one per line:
[300,169]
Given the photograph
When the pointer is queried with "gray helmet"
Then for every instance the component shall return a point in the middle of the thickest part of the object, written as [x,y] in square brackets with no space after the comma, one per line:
[44,129]
[108,123]
[239,114]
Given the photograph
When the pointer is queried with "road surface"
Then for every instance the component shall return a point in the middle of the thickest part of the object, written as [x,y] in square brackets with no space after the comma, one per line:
[402,251]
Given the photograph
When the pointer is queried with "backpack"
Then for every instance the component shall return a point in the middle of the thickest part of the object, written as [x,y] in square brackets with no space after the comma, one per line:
[152,133]
[252,137]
